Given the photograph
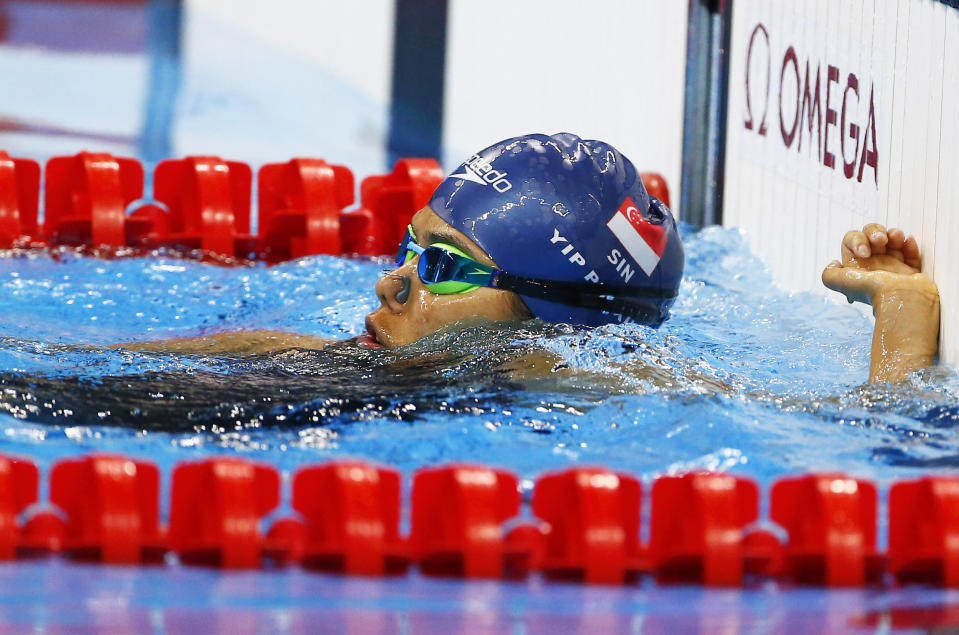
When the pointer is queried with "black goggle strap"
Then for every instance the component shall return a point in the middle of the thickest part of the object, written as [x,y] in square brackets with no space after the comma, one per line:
[633,302]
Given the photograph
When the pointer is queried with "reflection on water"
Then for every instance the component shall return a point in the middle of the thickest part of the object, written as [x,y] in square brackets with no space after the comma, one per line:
[53,596]
[744,376]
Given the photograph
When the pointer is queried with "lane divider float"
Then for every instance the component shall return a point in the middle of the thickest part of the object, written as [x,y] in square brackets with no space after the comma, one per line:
[582,524]
[202,204]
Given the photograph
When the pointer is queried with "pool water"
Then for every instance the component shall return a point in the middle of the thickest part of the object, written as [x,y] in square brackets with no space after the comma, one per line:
[744,377]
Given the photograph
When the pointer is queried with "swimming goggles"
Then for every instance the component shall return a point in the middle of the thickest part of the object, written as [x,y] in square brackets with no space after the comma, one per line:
[446,269]
[443,268]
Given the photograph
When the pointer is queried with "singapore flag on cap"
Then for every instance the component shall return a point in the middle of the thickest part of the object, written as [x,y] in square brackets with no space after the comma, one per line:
[644,241]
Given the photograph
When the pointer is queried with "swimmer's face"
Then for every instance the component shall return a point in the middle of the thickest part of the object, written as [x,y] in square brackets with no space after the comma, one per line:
[399,322]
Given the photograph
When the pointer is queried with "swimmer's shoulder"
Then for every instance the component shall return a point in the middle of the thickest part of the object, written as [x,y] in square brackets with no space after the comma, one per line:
[234,342]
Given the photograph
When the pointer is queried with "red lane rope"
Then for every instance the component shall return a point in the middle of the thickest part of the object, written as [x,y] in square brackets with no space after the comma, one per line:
[204,203]
[466,521]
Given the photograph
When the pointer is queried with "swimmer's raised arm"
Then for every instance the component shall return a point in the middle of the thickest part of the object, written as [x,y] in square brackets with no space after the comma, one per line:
[238,342]
[883,268]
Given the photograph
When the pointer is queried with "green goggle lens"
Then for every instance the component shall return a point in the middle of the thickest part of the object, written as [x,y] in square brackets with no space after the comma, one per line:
[439,265]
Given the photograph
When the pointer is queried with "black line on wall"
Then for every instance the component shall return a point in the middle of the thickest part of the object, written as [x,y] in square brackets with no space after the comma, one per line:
[419,65]
[704,110]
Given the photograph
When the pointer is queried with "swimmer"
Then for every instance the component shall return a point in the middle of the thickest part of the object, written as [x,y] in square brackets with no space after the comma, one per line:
[553,227]
[562,229]
[883,268]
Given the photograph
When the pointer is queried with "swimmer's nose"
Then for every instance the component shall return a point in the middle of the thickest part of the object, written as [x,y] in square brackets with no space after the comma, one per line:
[393,290]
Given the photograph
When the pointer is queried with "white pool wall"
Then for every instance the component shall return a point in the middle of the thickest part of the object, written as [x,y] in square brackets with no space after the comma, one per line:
[611,70]
[55,100]
[264,82]
[795,209]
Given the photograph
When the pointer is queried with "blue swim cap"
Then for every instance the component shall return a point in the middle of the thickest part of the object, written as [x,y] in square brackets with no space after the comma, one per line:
[566,209]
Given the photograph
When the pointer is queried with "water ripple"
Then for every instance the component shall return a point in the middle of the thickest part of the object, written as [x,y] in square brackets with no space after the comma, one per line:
[744,376]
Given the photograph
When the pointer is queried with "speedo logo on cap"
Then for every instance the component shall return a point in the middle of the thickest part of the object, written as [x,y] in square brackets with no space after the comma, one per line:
[644,241]
[479,170]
